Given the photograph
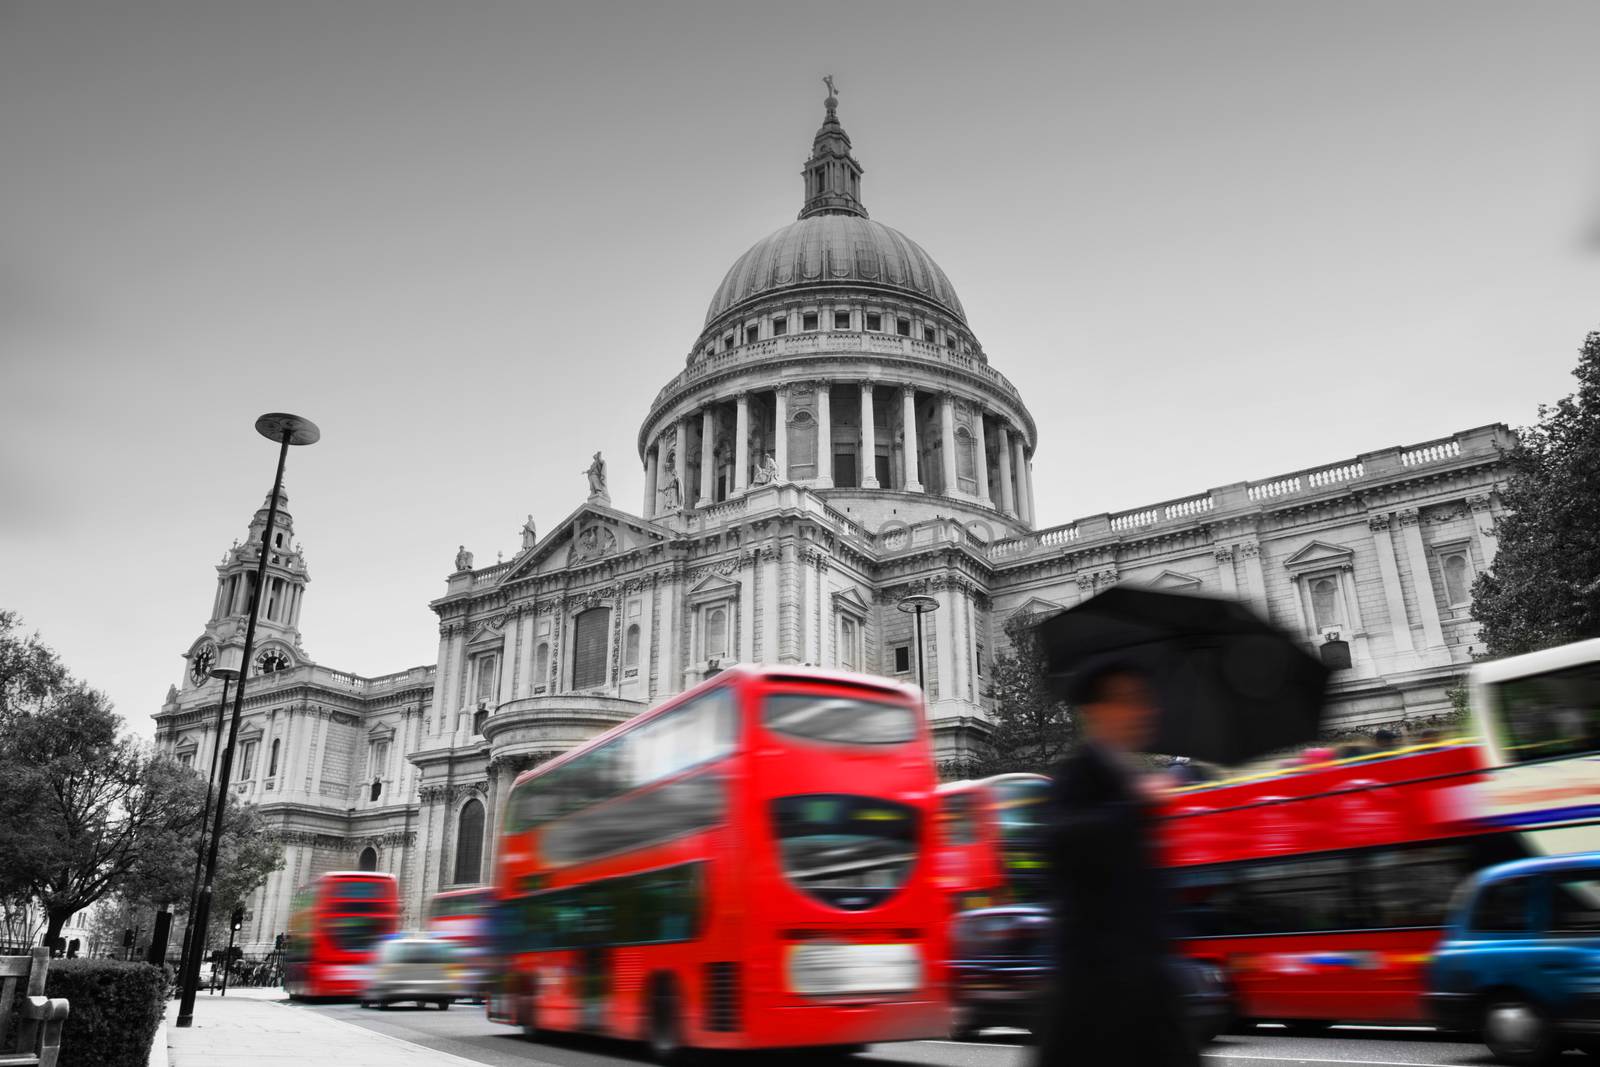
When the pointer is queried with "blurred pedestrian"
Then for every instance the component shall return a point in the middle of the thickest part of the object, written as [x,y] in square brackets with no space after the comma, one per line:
[1116,999]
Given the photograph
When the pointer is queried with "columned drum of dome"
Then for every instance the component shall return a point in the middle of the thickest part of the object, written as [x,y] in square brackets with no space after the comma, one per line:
[837,355]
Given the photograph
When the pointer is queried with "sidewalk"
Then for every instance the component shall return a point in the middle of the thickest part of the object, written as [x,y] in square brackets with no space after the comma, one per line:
[260,1026]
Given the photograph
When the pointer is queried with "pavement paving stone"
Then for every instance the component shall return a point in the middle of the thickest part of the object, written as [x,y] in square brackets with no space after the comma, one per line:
[260,1026]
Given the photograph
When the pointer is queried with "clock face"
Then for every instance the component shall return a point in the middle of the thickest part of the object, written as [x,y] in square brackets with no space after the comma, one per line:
[200,664]
[273,659]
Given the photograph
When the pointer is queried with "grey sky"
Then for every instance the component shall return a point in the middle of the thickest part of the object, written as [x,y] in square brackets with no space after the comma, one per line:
[1208,242]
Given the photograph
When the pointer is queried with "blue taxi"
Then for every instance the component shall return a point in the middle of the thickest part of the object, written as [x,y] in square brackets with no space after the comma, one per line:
[1520,959]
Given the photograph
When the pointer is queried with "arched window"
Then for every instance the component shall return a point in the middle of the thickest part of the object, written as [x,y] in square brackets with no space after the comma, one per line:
[630,648]
[541,665]
[1457,578]
[272,760]
[966,456]
[716,632]
[486,678]
[368,860]
[590,643]
[1325,603]
[802,447]
[469,842]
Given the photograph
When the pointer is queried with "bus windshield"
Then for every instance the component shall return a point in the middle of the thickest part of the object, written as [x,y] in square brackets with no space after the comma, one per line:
[851,852]
[1545,716]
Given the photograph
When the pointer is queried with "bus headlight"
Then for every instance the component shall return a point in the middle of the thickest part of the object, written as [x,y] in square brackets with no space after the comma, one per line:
[832,969]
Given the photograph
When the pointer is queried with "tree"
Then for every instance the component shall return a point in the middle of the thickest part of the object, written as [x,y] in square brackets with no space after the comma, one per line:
[1032,729]
[88,813]
[1544,586]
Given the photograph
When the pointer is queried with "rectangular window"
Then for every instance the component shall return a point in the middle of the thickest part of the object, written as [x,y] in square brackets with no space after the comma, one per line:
[780,326]
[1548,715]
[849,657]
[591,633]
[1287,896]
[1410,886]
[841,320]
[752,333]
[950,341]
[1456,568]
[902,659]
[247,764]
[1575,904]
[808,321]
[1502,907]
[902,327]
[874,322]
[727,341]
[929,334]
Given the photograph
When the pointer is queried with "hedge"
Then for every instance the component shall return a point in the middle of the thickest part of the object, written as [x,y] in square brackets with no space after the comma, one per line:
[116,1008]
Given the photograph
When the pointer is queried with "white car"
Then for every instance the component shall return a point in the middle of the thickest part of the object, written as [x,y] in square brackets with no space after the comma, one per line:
[421,969]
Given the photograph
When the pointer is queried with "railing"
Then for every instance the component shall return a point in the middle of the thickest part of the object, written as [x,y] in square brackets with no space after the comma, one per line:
[491,574]
[822,344]
[1483,441]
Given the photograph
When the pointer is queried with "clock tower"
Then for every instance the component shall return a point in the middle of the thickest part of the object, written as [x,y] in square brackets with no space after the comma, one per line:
[277,645]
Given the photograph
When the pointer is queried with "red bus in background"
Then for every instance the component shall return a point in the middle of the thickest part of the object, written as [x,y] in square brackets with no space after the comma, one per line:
[745,866]
[335,927]
[461,917]
[991,849]
[1321,891]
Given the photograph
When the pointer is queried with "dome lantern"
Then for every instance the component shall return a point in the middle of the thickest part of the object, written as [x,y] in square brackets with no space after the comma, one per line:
[832,175]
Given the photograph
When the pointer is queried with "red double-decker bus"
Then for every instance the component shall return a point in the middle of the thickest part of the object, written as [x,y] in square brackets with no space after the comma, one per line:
[745,866]
[1321,891]
[991,849]
[461,917]
[336,925]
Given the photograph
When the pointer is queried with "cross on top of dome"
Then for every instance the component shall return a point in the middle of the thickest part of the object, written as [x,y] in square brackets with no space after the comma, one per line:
[832,175]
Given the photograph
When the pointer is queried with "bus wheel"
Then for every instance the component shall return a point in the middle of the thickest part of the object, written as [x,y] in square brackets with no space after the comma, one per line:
[444,1005]
[1517,1032]
[666,1032]
[528,1016]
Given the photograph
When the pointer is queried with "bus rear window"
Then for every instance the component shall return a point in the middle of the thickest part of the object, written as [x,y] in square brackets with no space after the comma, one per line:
[1549,715]
[360,890]
[839,720]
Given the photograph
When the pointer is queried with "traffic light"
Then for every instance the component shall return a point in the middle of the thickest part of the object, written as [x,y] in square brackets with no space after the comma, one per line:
[237,921]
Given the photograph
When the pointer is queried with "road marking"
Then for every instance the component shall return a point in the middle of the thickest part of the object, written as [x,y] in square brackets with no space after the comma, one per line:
[1290,1057]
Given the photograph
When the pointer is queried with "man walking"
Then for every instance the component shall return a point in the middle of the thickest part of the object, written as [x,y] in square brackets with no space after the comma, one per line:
[1116,1000]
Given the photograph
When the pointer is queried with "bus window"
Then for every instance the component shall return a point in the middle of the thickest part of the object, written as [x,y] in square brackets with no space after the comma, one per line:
[1411,886]
[839,720]
[958,818]
[847,851]
[1284,896]
[1548,715]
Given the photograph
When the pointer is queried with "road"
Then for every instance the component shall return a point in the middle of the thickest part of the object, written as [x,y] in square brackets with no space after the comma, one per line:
[463,1031]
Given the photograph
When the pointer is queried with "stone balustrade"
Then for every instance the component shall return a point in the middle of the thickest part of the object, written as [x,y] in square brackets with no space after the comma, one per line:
[1485,442]
[842,343]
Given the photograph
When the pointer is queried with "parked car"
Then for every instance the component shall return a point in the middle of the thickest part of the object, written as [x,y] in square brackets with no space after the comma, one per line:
[415,968]
[1520,959]
[1001,968]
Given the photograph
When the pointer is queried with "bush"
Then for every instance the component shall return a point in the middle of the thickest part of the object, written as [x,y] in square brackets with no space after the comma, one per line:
[116,1008]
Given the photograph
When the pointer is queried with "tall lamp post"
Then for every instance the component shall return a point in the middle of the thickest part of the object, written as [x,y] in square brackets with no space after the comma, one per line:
[286,430]
[919,604]
[227,674]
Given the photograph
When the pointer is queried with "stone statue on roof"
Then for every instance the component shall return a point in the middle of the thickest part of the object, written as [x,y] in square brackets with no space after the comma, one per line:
[596,472]
[463,559]
[529,535]
[827,79]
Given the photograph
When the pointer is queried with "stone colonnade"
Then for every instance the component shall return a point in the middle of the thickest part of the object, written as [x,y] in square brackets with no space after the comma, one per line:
[840,434]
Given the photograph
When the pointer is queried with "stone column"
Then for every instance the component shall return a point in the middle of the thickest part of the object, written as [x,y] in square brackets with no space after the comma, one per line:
[1027,478]
[1008,498]
[780,433]
[981,443]
[1394,597]
[1421,579]
[1483,527]
[649,484]
[869,440]
[947,435]
[1254,581]
[908,395]
[708,459]
[1227,580]
[661,473]
[1019,473]
[741,445]
[824,437]
[681,447]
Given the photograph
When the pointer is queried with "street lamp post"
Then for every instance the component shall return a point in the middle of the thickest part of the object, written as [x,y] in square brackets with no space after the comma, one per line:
[286,430]
[919,604]
[227,674]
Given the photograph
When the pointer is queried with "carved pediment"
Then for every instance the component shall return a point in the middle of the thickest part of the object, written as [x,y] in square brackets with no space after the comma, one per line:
[850,601]
[381,732]
[592,532]
[1319,555]
[1040,607]
[712,587]
[1173,580]
[487,636]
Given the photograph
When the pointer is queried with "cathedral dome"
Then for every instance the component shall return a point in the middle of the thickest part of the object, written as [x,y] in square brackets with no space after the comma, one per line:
[830,250]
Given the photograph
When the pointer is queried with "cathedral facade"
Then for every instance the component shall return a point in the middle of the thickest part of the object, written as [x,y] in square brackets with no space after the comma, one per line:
[836,441]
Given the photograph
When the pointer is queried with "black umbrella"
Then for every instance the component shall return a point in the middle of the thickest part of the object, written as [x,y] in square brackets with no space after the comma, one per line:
[1232,686]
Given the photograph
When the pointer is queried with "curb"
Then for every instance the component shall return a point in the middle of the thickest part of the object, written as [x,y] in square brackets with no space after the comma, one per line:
[447,1059]
[158,1044]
